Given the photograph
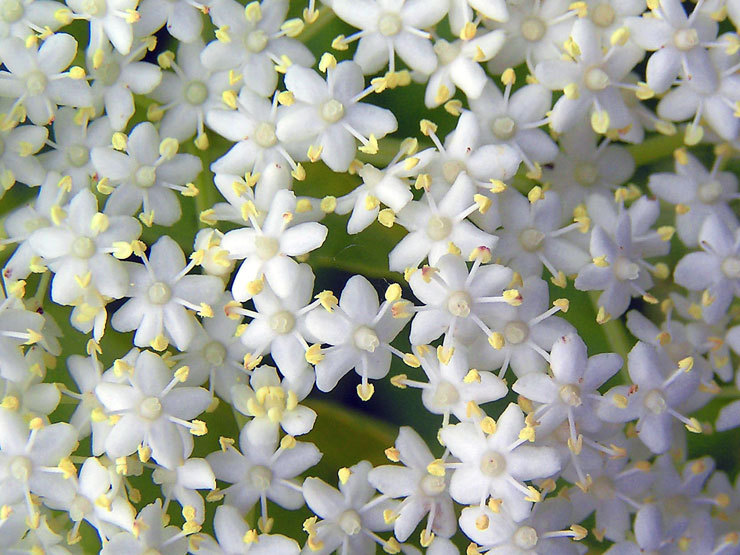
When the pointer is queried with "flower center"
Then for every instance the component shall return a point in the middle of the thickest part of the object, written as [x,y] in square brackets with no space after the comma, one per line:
[503,128]
[366,339]
[531,239]
[445,395]
[109,72]
[525,537]
[150,408]
[266,247]
[686,39]
[94,7]
[710,192]
[21,468]
[451,169]
[145,177]
[596,79]
[390,24]
[83,247]
[264,135]
[603,15]
[438,228]
[215,353]
[432,485]
[79,508]
[625,269]
[332,111]
[196,92]
[655,402]
[11,10]
[458,304]
[282,322]
[257,41]
[159,293]
[492,463]
[261,477]
[533,29]
[350,522]
[586,173]
[35,82]
[516,332]
[446,52]
[603,488]
[78,155]
[731,267]
[571,395]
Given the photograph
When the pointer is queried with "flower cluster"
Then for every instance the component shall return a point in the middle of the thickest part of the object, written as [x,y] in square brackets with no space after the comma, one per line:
[510,238]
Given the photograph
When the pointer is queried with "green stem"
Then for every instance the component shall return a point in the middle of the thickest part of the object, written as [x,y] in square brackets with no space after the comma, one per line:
[354,268]
[655,148]
[616,335]
[42,288]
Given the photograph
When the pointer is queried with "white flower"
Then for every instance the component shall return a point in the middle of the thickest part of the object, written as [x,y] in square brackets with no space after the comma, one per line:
[659,388]
[437,224]
[534,30]
[496,465]
[619,244]
[584,166]
[715,104]
[17,160]
[116,78]
[152,533]
[110,20]
[215,258]
[73,141]
[359,331]
[80,251]
[590,79]
[187,93]
[514,119]
[267,248]
[182,482]
[390,186]
[251,42]
[20,223]
[679,42]
[571,393]
[216,353]
[389,28]
[87,373]
[93,497]
[697,194]
[329,115]
[715,269]
[546,530]
[152,412]
[533,236]
[263,471]
[273,404]
[24,18]
[459,67]
[453,387]
[422,492]
[29,458]
[252,128]
[18,327]
[350,515]
[184,18]
[278,327]
[461,12]
[649,533]
[522,333]
[455,299]
[37,80]
[231,531]
[145,176]
[161,295]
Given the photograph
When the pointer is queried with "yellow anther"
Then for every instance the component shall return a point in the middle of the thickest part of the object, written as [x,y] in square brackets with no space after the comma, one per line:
[444,354]
[488,425]
[527,433]
[328,61]
[600,121]
[168,148]
[371,147]
[682,209]
[442,95]
[253,12]
[468,31]
[497,186]
[339,44]
[119,140]
[229,98]
[571,91]
[620,37]
[602,316]
[314,354]
[327,299]
[484,203]
[198,428]
[436,468]
[644,92]
[666,232]
[182,373]
[512,297]
[423,181]
[581,8]
[508,77]
[393,293]
[344,474]
[472,376]
[454,107]
[427,127]
[399,381]
[535,194]
[496,340]
[686,364]
[620,401]
[411,360]
[365,391]
[159,343]
[286,98]
[293,27]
